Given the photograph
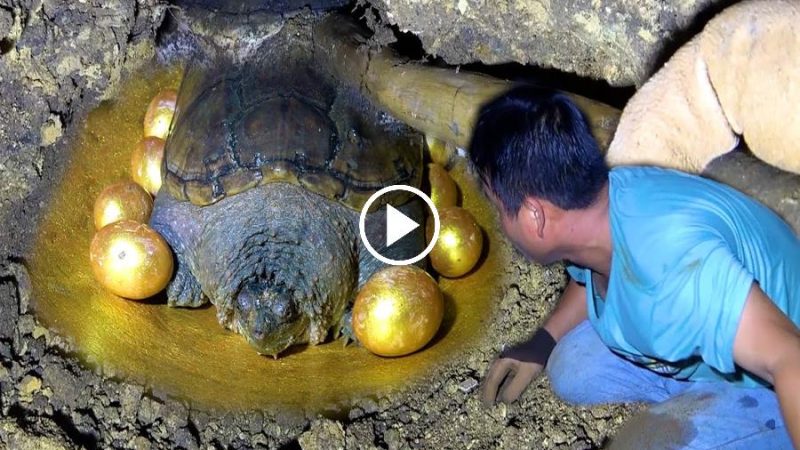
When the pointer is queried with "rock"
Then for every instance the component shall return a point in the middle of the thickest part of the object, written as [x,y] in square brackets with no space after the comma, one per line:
[360,435]
[255,422]
[175,415]
[6,23]
[468,385]
[140,443]
[619,41]
[129,398]
[199,420]
[39,331]
[149,411]
[14,437]
[182,438]
[27,387]
[249,6]
[26,324]
[56,56]
[323,434]
[65,386]
[8,310]
[50,131]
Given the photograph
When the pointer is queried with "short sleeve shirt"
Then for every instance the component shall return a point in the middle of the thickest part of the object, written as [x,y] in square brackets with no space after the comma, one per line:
[685,253]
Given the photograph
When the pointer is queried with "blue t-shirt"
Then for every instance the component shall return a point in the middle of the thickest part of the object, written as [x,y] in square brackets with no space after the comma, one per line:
[685,252]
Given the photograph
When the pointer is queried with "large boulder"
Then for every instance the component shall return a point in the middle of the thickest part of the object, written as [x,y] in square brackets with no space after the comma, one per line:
[620,41]
[735,80]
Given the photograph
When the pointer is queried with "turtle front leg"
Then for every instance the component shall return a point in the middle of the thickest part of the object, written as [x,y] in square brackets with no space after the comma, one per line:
[345,327]
[177,222]
[184,290]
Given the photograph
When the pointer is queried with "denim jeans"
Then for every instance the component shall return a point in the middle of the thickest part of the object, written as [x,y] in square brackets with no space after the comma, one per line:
[681,414]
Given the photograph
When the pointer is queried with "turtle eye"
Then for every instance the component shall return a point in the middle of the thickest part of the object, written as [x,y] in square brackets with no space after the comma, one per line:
[283,309]
[248,296]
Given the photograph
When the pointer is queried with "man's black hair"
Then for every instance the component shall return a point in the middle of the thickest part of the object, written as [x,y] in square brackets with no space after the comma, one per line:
[533,141]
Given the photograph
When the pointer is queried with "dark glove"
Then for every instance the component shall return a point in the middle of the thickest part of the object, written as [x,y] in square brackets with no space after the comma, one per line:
[516,367]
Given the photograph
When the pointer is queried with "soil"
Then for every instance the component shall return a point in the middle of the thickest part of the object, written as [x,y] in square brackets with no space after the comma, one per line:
[620,41]
[51,401]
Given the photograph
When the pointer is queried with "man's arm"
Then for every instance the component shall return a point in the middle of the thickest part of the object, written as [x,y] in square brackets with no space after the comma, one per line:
[570,311]
[767,344]
[514,375]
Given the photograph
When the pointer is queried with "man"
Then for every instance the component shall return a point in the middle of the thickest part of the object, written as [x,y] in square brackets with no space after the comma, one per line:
[682,291]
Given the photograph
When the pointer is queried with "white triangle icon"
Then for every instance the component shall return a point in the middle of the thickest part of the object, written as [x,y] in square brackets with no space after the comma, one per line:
[397,225]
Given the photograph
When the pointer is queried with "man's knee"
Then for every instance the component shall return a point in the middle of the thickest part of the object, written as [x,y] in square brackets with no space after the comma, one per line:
[582,370]
[567,372]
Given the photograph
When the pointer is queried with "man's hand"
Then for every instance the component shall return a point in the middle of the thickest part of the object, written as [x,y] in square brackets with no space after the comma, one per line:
[507,379]
[515,368]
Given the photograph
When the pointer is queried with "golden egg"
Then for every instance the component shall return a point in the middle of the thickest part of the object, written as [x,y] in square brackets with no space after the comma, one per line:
[146,163]
[444,191]
[398,311]
[159,114]
[441,152]
[459,245]
[131,260]
[120,201]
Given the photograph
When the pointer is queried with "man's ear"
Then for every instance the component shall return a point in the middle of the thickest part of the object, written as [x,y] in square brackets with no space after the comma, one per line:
[534,215]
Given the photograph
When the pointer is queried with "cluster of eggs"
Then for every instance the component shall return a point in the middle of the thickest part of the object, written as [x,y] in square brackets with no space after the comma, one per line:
[400,309]
[129,258]
[397,311]
[460,242]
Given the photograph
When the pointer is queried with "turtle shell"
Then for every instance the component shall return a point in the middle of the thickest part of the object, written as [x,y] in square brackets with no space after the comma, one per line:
[283,118]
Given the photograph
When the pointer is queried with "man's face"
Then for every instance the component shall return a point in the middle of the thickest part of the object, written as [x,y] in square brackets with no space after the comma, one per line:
[522,229]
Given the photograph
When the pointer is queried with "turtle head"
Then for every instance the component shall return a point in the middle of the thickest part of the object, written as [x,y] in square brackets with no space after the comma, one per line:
[269,318]
[279,263]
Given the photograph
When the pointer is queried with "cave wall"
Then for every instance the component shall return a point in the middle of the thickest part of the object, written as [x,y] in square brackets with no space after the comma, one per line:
[56,56]
[620,41]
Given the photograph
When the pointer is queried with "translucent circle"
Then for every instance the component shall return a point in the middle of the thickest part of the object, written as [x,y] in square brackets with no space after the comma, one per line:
[363,218]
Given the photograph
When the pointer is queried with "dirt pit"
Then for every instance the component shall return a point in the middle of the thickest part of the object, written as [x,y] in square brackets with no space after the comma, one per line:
[56,392]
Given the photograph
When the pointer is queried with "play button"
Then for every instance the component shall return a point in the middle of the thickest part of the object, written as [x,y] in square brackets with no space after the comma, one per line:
[397,225]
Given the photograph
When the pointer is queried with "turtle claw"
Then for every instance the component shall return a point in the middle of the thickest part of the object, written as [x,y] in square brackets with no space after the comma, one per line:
[346,340]
[345,329]
[184,290]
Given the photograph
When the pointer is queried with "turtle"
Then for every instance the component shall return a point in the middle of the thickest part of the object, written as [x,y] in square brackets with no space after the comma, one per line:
[267,166]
